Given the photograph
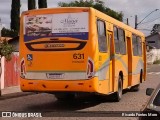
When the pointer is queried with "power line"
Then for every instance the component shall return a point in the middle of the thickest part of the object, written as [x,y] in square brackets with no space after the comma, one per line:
[145,29]
[151,20]
[137,23]
[147,16]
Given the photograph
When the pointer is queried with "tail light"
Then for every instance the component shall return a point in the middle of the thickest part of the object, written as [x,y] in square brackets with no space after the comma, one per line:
[23,70]
[90,68]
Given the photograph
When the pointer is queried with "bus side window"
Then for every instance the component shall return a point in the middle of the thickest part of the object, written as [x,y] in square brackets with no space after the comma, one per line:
[102,41]
[116,40]
[122,43]
[135,45]
[139,46]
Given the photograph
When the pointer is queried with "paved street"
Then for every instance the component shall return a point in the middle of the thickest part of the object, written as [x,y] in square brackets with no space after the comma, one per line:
[131,101]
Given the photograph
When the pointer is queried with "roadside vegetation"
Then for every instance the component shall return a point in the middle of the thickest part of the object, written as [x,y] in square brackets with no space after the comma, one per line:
[99,5]
[156,62]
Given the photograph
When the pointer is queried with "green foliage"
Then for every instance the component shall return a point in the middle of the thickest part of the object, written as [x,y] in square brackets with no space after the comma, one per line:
[116,15]
[42,3]
[8,33]
[156,62]
[6,49]
[31,4]
[155,29]
[97,5]
[15,13]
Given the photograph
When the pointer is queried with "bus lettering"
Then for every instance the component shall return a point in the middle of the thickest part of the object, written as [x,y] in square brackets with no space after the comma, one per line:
[53,45]
[78,56]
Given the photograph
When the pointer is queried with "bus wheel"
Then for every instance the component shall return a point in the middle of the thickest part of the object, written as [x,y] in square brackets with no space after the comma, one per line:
[118,94]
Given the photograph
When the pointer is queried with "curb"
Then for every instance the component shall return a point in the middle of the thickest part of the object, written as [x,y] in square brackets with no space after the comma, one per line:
[9,90]
[13,92]
[15,95]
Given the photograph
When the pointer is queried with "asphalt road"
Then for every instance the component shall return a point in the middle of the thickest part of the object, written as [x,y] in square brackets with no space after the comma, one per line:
[91,107]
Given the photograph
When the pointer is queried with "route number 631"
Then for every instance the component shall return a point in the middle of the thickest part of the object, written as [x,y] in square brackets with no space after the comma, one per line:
[78,56]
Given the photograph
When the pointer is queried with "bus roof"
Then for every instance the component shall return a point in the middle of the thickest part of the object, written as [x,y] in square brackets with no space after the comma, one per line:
[119,23]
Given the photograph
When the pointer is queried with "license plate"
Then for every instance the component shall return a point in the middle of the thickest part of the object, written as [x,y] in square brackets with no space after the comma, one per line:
[55,75]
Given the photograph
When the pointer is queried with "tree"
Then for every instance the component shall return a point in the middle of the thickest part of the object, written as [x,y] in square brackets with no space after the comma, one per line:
[99,5]
[8,33]
[31,4]
[42,3]
[15,13]
[155,29]
[6,51]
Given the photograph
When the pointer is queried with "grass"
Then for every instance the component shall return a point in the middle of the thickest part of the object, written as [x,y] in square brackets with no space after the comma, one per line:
[156,62]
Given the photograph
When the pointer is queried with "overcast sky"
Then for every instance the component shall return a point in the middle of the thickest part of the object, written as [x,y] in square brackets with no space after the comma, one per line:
[130,8]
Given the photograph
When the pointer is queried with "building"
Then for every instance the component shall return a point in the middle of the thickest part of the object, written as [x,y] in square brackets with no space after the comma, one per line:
[5,38]
[153,47]
[154,40]
[15,42]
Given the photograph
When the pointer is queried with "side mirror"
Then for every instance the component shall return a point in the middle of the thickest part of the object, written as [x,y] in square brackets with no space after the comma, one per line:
[149,91]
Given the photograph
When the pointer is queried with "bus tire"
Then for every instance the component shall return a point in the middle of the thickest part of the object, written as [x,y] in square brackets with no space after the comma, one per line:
[118,94]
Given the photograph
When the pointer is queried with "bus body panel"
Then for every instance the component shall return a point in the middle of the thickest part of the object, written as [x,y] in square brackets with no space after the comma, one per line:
[43,62]
[84,69]
[61,86]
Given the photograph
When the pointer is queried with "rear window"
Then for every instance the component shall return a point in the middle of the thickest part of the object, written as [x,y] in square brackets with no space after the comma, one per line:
[73,25]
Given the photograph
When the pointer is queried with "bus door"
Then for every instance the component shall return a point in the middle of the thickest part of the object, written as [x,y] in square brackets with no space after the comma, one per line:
[129,49]
[105,65]
[103,58]
[111,63]
[144,59]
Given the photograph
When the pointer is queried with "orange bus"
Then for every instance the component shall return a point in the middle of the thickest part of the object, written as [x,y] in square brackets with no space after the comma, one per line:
[67,51]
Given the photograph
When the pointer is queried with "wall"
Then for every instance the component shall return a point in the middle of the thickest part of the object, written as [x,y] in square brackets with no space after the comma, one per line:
[153,55]
[2,74]
[11,71]
[11,74]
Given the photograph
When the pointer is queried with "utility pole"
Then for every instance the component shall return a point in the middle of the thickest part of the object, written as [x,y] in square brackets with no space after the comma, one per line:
[136,24]
[127,21]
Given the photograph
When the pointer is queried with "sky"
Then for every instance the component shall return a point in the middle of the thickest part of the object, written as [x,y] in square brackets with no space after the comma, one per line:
[130,8]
